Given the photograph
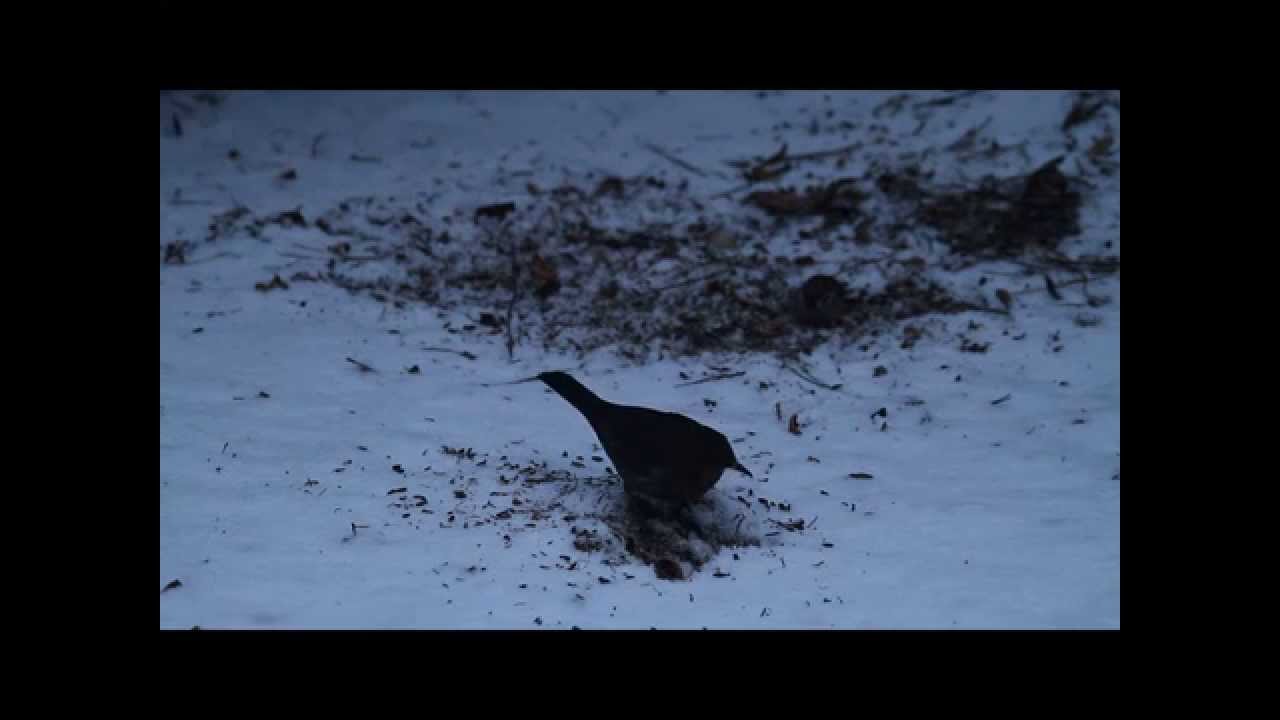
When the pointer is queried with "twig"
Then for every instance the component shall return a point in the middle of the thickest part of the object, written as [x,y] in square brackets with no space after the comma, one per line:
[1058,285]
[892,103]
[672,158]
[780,157]
[810,378]
[177,199]
[949,99]
[723,376]
[1048,285]
[362,366]
[315,145]
[967,140]
[825,153]
[365,258]
[212,258]
[511,307]
[463,353]
[981,308]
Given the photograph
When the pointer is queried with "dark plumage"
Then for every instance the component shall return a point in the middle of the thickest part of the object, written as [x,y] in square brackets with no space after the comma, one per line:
[662,457]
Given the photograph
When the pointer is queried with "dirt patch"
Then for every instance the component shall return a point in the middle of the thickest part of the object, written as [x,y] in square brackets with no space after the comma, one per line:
[1002,219]
[640,266]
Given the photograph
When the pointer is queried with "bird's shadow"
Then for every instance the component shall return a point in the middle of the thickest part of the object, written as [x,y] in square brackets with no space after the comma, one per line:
[678,542]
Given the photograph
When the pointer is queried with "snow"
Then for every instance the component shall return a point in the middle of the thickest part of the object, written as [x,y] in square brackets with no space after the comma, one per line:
[977,514]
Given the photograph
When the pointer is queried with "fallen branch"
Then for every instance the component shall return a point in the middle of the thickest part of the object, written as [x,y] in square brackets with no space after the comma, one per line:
[365,258]
[463,353]
[1077,281]
[970,136]
[810,378]
[893,104]
[755,174]
[212,258]
[673,159]
[177,199]
[981,308]
[511,307]
[722,376]
[949,99]
[825,153]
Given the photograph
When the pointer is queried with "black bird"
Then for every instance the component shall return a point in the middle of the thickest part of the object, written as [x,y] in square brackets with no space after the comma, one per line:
[664,458]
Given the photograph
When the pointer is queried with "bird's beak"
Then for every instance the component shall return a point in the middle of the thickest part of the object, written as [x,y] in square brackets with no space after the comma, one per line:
[743,470]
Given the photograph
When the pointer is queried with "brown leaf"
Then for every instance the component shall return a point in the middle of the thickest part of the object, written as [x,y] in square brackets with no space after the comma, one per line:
[794,425]
[1005,298]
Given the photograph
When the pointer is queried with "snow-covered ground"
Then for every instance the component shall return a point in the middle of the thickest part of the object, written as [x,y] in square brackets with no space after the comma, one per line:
[297,491]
